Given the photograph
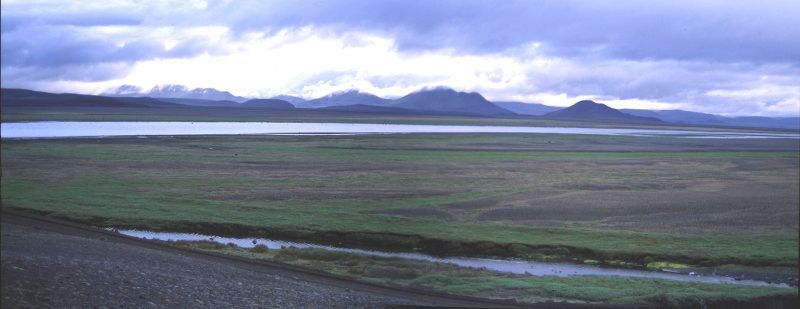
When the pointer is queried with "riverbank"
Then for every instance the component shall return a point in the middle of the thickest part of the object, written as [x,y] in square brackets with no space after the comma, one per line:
[53,266]
[776,276]
[41,239]
[444,277]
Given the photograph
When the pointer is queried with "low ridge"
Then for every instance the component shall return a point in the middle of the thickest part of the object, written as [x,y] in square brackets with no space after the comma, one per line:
[268,103]
[351,97]
[588,110]
[449,100]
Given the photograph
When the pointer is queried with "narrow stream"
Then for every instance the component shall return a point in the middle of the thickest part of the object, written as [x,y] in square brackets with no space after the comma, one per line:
[498,265]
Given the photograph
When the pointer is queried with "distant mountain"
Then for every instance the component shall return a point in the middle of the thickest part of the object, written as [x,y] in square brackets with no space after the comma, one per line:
[351,97]
[361,108]
[765,122]
[268,103]
[175,92]
[451,101]
[587,110]
[439,101]
[695,118]
[527,108]
[126,91]
[10,98]
[200,102]
[677,116]
[291,99]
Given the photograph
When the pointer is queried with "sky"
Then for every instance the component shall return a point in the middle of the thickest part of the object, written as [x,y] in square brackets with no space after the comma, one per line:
[724,57]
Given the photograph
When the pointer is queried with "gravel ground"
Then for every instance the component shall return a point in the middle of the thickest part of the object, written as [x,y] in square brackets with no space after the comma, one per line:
[46,269]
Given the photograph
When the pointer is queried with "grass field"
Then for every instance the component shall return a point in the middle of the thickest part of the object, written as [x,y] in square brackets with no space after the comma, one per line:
[547,197]
[522,288]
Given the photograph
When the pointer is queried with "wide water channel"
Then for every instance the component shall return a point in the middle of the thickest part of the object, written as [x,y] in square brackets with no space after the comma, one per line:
[58,129]
[498,265]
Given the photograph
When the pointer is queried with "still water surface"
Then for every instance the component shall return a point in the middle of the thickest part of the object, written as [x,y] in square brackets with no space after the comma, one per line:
[498,265]
[57,129]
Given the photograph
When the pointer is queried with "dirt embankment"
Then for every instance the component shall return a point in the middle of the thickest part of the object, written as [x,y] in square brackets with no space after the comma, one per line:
[45,265]
[441,247]
[51,263]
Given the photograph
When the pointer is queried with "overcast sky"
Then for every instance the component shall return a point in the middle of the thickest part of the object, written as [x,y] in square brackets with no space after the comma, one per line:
[725,57]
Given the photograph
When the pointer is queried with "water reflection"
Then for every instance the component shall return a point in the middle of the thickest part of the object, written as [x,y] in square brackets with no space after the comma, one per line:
[56,129]
[499,265]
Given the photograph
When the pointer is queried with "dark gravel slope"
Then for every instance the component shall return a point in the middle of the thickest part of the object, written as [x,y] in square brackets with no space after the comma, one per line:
[42,268]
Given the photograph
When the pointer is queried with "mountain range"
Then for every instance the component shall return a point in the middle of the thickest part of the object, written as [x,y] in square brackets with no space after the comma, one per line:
[695,118]
[433,101]
[352,97]
[440,100]
[449,100]
[174,92]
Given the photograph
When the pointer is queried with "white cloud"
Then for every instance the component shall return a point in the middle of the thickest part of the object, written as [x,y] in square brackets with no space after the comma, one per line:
[292,60]
[768,99]
[312,61]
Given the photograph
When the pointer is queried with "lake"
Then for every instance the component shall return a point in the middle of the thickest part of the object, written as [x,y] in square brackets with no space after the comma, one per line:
[60,129]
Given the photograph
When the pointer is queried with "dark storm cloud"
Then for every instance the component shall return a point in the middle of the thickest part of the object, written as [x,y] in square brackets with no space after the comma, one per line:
[729,31]
[707,30]
[65,40]
[12,21]
[22,76]
[667,51]
[60,49]
[54,46]
[671,81]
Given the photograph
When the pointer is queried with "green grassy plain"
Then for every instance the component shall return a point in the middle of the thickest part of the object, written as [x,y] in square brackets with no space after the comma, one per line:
[547,197]
[522,288]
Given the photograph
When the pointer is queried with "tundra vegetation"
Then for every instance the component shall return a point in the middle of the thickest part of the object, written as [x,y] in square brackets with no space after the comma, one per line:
[521,288]
[607,200]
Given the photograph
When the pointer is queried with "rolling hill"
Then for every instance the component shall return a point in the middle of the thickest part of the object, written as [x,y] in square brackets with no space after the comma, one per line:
[352,97]
[200,102]
[587,110]
[267,103]
[695,118]
[289,98]
[521,108]
[449,100]
[384,110]
[10,98]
